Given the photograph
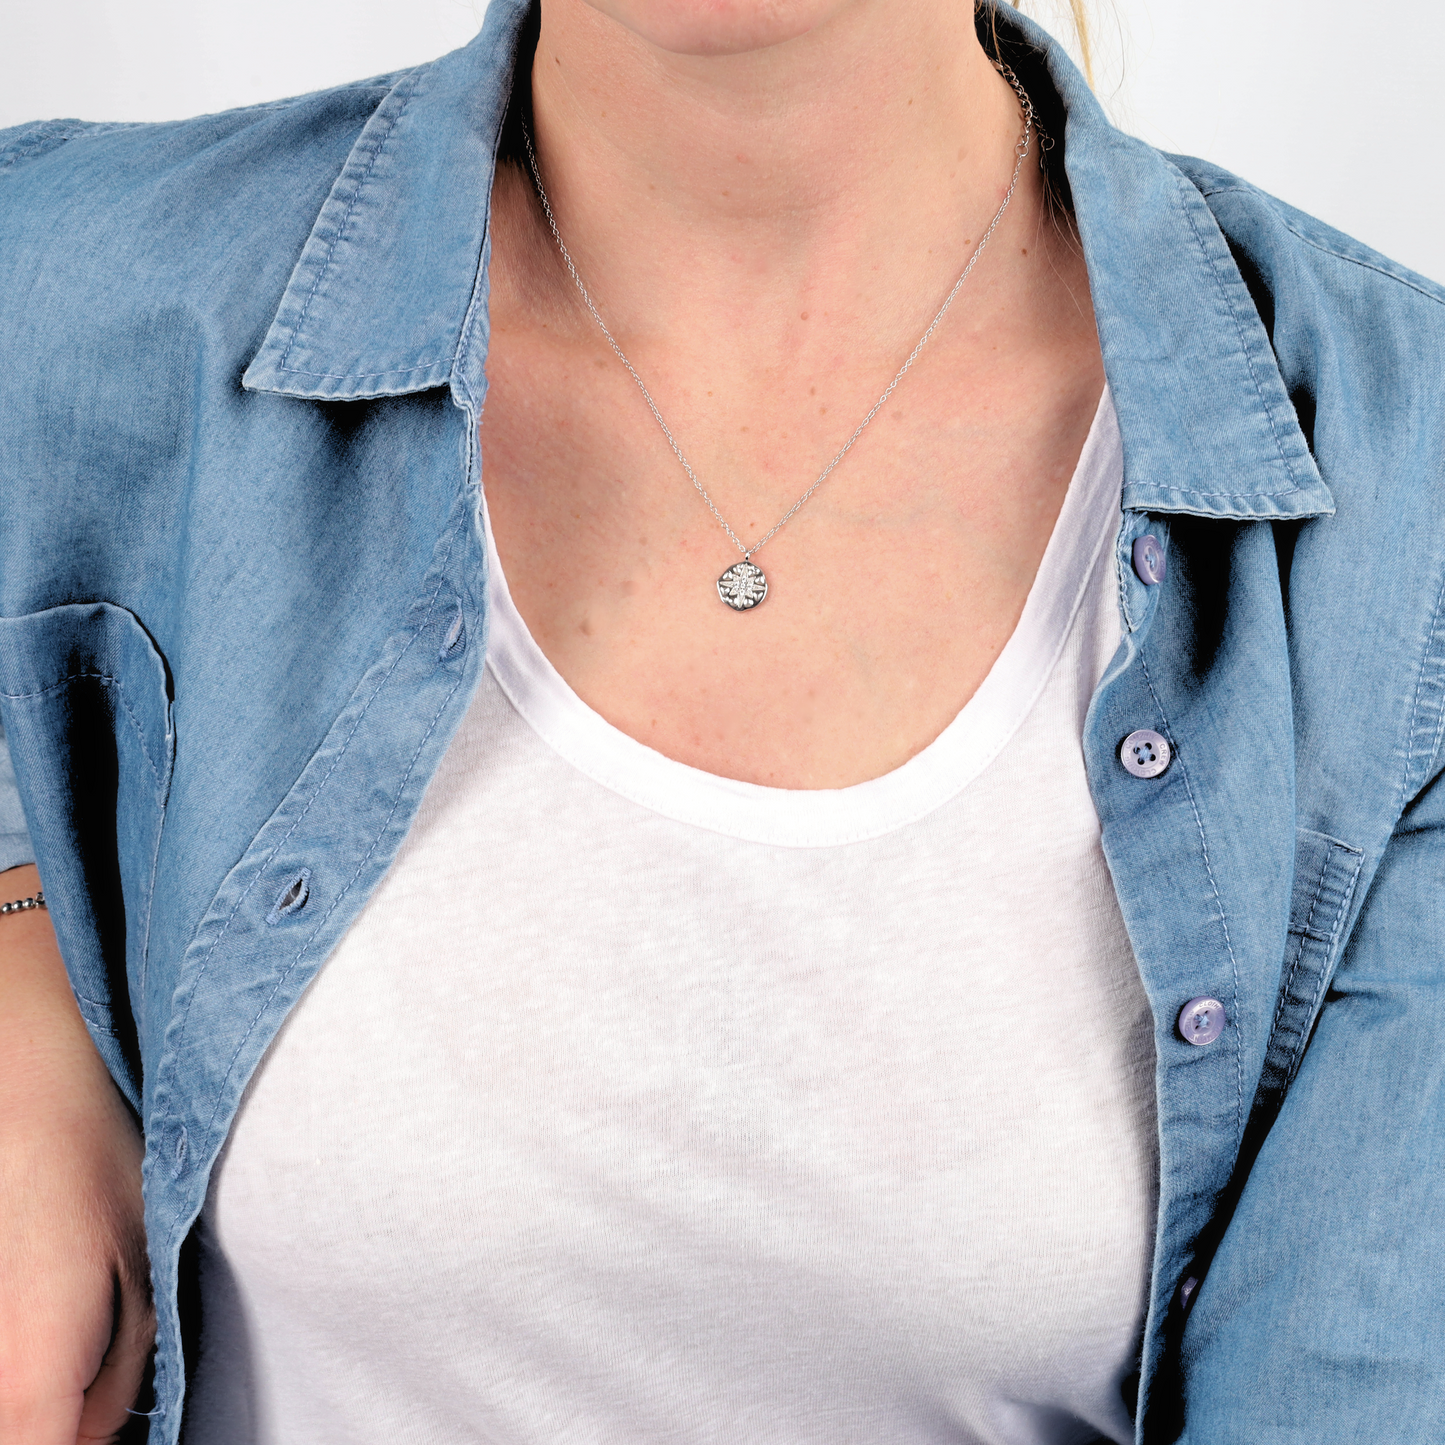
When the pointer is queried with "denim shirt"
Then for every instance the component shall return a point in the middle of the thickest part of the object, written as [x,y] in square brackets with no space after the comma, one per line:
[242,611]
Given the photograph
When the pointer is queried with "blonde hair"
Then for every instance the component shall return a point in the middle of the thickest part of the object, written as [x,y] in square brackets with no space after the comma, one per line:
[1081,29]
[1078,11]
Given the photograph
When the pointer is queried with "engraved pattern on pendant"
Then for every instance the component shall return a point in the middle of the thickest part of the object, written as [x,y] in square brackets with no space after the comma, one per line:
[742,586]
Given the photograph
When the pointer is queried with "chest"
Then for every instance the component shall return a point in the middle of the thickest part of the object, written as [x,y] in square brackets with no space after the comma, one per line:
[701,1126]
[891,591]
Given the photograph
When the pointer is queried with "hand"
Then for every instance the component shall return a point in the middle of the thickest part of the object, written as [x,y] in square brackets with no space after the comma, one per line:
[76,1321]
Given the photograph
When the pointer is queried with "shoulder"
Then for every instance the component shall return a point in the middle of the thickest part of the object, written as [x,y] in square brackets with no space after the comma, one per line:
[1359,339]
[1305,265]
[91,204]
[158,142]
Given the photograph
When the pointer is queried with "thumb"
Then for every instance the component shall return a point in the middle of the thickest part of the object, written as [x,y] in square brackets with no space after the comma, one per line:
[111,1394]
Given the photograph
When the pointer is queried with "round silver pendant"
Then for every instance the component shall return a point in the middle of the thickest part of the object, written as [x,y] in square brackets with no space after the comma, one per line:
[742,586]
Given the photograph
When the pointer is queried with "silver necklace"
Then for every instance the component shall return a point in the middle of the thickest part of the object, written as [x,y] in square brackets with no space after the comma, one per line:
[744,584]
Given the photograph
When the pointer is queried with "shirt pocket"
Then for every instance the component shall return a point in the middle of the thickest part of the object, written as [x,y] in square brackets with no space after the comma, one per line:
[85,698]
[1324,885]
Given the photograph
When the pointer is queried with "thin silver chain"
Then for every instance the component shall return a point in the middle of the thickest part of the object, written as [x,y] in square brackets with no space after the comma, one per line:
[1021,150]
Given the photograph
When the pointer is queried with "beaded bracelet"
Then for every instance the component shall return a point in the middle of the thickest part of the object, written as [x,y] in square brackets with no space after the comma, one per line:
[36,900]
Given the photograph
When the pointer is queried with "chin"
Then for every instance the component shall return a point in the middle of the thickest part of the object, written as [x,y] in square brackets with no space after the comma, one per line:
[718,27]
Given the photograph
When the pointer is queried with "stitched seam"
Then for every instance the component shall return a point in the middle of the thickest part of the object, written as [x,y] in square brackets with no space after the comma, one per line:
[1320,246]
[336,903]
[145,942]
[16,156]
[320,787]
[1195,492]
[58,683]
[108,680]
[280,842]
[1361,263]
[464,341]
[1284,991]
[355,375]
[1319,890]
[1239,331]
[41,138]
[1330,950]
[1294,967]
[1120,565]
[1430,636]
[1339,919]
[1299,956]
[313,99]
[341,229]
[1439,710]
[37,143]
[1214,887]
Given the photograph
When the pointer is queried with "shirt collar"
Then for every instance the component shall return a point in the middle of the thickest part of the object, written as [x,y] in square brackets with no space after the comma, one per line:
[388,296]
[1206,419]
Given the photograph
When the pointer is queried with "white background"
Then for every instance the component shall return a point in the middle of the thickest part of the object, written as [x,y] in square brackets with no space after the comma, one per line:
[1333,105]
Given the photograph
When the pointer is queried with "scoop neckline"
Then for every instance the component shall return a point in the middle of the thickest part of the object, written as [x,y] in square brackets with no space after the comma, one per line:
[826,817]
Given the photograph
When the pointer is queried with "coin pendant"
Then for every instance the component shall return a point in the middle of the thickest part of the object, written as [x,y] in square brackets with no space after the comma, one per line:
[742,586]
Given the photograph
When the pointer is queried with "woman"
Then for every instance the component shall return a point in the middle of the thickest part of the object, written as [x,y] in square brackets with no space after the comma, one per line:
[850,973]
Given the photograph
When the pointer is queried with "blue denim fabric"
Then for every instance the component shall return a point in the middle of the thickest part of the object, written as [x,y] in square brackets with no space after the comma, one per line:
[242,612]
[15,846]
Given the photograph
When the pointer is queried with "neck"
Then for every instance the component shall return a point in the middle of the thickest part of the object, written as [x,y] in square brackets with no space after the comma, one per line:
[842,162]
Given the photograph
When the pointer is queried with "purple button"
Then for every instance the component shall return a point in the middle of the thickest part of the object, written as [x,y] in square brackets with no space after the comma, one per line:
[1186,1293]
[1149,561]
[1201,1021]
[1145,753]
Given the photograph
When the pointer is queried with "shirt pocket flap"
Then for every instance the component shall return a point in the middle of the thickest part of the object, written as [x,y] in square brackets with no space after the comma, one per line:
[86,701]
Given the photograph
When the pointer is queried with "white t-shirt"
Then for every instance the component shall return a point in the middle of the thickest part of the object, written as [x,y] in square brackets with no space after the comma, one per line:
[640,1105]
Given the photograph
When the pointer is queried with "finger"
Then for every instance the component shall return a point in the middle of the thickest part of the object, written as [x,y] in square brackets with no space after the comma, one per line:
[112,1393]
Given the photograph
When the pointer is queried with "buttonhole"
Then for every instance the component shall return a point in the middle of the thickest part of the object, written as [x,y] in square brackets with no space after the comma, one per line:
[292,898]
[456,637]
